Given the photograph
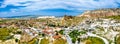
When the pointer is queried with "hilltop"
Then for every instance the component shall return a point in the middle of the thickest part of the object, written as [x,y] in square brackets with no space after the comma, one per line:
[101,13]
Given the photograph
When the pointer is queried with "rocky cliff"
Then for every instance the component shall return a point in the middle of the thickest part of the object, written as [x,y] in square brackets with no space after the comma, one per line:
[101,13]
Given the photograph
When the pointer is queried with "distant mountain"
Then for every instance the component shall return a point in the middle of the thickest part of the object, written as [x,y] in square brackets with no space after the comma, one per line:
[23,16]
[101,13]
[28,16]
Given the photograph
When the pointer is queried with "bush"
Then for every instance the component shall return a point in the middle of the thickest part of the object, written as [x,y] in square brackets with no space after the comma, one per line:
[61,32]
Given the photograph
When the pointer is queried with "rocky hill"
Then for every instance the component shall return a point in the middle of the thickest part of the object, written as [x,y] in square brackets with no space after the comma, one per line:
[101,13]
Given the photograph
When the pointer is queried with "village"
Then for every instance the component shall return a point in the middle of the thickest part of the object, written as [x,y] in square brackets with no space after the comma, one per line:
[34,31]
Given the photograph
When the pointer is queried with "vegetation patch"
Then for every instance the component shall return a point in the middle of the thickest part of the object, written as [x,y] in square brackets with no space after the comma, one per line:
[118,40]
[44,41]
[60,41]
[94,40]
[4,34]
[75,35]
[34,41]
[116,17]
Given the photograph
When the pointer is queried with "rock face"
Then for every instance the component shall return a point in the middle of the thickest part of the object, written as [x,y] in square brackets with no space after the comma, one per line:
[101,13]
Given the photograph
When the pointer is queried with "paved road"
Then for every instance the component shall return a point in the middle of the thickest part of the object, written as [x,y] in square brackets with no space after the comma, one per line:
[69,41]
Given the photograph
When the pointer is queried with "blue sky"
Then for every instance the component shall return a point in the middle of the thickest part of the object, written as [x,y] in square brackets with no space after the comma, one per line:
[52,7]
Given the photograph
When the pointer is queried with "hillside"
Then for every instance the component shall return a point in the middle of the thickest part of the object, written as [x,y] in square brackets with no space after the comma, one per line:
[101,13]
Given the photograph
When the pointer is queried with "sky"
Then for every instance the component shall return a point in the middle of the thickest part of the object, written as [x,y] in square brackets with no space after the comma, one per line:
[52,7]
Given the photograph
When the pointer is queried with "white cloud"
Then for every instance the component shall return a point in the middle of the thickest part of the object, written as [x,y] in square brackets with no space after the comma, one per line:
[75,5]
[48,4]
